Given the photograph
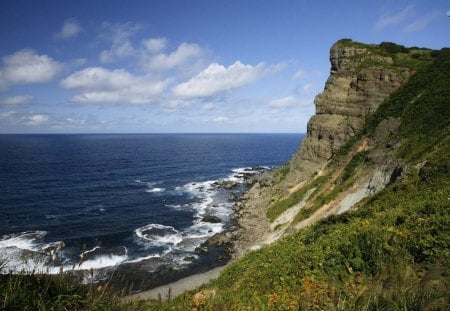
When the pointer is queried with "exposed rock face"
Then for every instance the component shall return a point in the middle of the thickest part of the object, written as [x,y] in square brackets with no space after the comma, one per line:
[358,83]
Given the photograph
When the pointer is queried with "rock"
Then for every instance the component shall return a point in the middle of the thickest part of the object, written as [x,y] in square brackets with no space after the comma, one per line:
[211,218]
[351,93]
[220,238]
[189,258]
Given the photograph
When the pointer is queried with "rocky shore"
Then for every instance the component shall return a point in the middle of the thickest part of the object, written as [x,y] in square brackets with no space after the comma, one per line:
[249,225]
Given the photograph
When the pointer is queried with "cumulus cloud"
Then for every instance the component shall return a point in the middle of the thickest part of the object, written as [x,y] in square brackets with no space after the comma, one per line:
[216,79]
[16,100]
[100,85]
[26,66]
[71,28]
[118,35]
[155,45]
[165,61]
[387,20]
[299,74]
[290,101]
[423,21]
[37,119]
[284,102]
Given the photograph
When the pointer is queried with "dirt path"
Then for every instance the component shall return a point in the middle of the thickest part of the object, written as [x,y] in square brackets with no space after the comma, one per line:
[176,288]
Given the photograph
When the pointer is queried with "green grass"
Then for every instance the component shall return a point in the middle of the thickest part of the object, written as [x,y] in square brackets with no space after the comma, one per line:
[283,171]
[277,208]
[52,292]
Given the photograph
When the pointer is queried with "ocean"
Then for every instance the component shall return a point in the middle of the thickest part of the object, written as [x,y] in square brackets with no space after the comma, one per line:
[129,203]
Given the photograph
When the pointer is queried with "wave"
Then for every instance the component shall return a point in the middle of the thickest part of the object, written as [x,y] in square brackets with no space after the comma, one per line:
[208,198]
[155,190]
[28,252]
[159,234]
[28,240]
[102,257]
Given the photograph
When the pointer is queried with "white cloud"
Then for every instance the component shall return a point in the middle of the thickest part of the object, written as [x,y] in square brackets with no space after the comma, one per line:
[71,28]
[100,85]
[307,87]
[7,114]
[184,53]
[217,78]
[26,66]
[423,21]
[155,45]
[387,20]
[221,119]
[16,100]
[209,106]
[299,74]
[284,102]
[37,119]
[98,77]
[290,101]
[119,35]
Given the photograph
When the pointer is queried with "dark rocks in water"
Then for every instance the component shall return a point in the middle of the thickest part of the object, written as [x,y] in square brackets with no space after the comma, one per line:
[201,249]
[212,219]
[53,248]
[156,231]
[227,184]
[189,258]
[220,238]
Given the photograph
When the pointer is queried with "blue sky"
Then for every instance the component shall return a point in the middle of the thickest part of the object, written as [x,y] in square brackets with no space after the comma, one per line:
[186,66]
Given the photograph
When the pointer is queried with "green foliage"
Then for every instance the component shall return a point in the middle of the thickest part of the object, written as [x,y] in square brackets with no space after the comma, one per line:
[52,292]
[423,106]
[349,169]
[283,171]
[393,48]
[277,208]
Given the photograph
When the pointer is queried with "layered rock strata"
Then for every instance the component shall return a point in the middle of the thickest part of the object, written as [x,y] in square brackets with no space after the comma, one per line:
[359,81]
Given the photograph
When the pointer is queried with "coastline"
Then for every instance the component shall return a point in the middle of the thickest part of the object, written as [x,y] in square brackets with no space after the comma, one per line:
[249,230]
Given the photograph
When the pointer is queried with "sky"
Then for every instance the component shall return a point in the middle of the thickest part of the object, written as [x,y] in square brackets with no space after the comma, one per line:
[163,66]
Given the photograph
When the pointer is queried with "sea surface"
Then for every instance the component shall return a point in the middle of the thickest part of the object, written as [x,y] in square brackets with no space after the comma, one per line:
[135,201]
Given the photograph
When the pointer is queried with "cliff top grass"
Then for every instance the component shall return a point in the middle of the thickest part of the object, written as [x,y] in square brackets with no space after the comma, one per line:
[402,57]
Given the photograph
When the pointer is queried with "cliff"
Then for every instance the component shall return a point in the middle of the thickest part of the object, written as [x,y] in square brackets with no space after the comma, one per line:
[359,81]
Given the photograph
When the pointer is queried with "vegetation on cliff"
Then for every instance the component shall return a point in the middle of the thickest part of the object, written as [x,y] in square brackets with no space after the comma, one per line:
[390,252]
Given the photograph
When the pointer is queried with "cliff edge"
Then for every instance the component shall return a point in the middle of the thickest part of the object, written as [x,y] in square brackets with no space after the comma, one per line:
[361,77]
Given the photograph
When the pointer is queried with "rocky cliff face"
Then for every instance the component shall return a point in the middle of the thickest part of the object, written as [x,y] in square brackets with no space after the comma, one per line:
[358,83]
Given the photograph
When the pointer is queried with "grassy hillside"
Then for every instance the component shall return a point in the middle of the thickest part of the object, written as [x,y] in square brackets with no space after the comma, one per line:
[391,253]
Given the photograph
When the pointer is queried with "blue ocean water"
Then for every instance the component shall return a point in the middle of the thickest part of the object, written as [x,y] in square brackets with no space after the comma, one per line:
[95,201]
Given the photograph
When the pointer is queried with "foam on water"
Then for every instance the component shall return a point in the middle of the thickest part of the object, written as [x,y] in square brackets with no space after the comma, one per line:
[155,190]
[159,234]
[101,262]
[207,199]
[28,240]
[173,246]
